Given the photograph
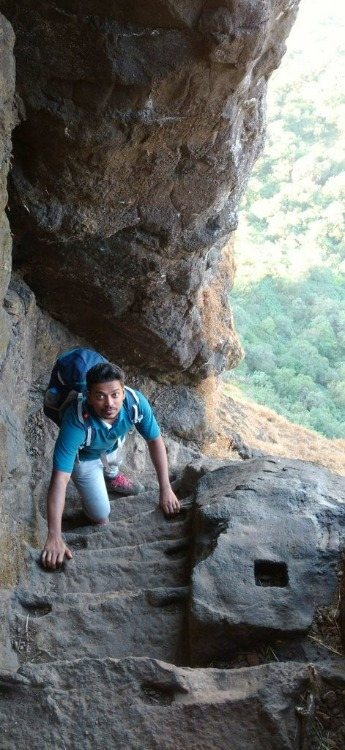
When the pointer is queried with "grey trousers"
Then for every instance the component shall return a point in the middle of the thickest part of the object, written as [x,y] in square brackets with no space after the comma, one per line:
[89,479]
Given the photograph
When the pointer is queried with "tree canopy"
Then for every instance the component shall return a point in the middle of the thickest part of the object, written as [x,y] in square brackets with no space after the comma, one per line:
[289,293]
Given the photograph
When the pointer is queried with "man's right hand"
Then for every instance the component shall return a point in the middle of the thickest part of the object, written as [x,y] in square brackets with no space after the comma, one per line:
[54,552]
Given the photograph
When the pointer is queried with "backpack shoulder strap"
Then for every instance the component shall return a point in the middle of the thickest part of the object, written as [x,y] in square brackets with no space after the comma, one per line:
[84,419]
[135,414]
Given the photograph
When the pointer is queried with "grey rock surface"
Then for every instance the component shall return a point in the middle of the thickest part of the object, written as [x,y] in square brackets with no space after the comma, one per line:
[116,616]
[268,537]
[139,128]
[7,119]
[143,703]
[17,510]
[124,591]
[139,124]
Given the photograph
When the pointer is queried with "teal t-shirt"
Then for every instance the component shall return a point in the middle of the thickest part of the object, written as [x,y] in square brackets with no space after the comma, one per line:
[104,440]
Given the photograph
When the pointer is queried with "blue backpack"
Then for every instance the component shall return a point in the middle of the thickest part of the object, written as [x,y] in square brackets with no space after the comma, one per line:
[67,383]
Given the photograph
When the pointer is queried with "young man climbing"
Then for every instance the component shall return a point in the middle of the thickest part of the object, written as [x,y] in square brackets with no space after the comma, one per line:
[94,467]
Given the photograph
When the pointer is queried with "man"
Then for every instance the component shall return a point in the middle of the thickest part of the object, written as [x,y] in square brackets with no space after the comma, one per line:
[108,409]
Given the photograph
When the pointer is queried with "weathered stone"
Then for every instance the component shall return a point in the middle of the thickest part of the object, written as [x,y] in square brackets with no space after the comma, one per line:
[342,602]
[8,656]
[139,128]
[193,471]
[139,125]
[142,703]
[5,258]
[105,625]
[16,372]
[16,506]
[264,556]
[127,590]
[7,83]
[5,333]
[181,411]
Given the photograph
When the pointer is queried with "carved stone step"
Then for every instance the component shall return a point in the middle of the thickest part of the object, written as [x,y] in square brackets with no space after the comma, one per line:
[72,626]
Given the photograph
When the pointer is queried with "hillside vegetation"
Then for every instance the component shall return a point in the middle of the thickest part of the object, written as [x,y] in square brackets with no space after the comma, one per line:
[242,428]
[289,294]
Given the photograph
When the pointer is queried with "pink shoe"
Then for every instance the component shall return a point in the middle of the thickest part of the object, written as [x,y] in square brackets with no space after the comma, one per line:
[123,485]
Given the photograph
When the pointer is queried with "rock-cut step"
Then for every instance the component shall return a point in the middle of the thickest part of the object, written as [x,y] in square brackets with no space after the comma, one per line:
[110,570]
[146,622]
[146,527]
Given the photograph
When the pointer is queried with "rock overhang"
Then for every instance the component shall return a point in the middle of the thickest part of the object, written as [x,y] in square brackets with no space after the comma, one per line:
[138,131]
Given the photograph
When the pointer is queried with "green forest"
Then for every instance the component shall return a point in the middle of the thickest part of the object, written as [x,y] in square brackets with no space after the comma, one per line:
[289,293]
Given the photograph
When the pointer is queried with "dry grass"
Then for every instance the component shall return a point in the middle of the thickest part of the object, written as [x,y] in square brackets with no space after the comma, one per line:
[260,428]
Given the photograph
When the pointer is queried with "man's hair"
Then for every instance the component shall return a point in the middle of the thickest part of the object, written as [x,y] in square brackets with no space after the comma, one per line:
[104,372]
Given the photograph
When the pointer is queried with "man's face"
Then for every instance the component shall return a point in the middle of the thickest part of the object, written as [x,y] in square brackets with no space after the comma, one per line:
[106,399]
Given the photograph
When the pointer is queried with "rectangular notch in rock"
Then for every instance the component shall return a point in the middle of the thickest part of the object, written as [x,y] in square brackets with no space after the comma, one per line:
[270,573]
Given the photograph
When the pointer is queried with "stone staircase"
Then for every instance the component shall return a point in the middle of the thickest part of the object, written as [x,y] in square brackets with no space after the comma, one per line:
[103,650]
[125,589]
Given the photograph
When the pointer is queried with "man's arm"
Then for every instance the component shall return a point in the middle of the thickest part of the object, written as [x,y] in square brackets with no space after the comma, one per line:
[55,548]
[167,499]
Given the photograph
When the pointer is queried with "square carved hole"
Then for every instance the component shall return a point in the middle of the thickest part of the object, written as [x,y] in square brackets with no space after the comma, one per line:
[269,573]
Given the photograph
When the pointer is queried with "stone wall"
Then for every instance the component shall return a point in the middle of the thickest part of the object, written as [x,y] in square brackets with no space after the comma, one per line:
[15,354]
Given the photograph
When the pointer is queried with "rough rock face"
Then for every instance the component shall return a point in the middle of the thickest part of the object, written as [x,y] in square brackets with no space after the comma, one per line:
[17,510]
[169,708]
[268,539]
[118,614]
[139,126]
[17,310]
[116,617]
[7,83]
[124,615]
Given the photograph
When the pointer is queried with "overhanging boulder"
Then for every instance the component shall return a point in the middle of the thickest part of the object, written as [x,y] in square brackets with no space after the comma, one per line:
[139,127]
